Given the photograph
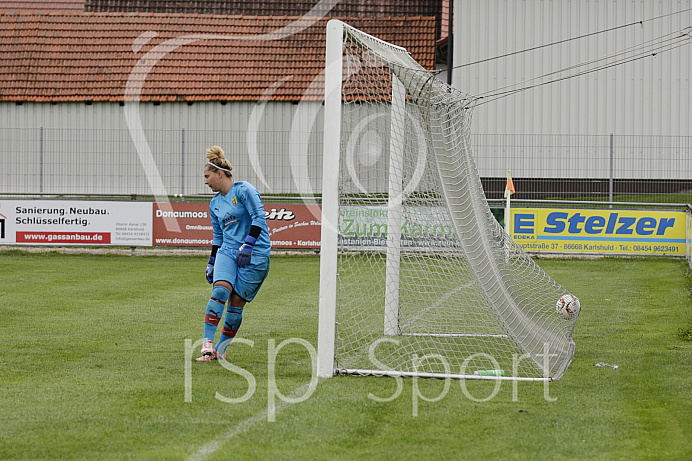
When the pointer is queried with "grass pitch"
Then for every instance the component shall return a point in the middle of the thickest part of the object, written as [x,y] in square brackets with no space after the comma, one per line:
[93,365]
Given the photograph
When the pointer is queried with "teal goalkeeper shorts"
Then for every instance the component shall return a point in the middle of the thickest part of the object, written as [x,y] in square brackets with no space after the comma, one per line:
[245,281]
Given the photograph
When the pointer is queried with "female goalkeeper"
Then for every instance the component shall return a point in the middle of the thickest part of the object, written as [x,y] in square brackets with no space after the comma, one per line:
[239,260]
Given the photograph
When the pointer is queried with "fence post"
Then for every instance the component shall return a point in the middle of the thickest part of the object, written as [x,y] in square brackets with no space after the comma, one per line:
[182,163]
[612,155]
[40,160]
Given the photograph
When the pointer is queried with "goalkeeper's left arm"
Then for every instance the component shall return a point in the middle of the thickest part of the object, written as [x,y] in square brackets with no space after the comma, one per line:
[244,257]
[255,208]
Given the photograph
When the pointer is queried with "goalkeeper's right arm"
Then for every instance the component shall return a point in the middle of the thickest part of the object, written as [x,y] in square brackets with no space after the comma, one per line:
[209,273]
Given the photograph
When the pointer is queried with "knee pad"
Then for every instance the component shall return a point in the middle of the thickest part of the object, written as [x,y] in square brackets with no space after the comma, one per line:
[219,296]
[221,293]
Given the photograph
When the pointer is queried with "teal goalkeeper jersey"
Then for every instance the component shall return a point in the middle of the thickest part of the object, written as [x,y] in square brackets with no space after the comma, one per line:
[233,214]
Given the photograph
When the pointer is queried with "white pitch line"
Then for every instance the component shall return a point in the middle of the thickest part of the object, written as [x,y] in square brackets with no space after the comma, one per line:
[244,425]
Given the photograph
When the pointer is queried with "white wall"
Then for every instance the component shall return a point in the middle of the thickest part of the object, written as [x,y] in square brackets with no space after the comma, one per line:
[90,148]
[650,96]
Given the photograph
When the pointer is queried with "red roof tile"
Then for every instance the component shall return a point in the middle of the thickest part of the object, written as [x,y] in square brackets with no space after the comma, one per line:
[91,56]
[343,8]
[36,5]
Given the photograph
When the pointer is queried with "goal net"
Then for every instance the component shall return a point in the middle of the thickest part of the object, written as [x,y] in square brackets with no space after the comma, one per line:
[417,278]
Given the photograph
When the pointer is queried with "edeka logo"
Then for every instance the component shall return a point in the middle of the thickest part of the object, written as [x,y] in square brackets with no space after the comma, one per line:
[577,223]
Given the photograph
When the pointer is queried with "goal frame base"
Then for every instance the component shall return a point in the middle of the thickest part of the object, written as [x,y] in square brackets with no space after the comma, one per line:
[412,374]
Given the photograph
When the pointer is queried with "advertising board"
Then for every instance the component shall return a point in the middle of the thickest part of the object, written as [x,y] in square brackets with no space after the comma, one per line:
[53,222]
[298,226]
[188,225]
[608,231]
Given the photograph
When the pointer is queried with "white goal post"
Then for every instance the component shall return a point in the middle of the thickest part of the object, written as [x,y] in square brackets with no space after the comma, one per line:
[416,276]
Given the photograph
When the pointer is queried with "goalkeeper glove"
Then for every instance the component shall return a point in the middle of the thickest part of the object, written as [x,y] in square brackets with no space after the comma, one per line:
[210,269]
[244,255]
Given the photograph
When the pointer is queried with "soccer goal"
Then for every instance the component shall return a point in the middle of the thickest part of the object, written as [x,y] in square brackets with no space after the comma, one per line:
[417,278]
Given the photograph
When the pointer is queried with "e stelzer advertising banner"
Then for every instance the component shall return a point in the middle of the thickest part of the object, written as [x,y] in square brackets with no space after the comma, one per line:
[638,232]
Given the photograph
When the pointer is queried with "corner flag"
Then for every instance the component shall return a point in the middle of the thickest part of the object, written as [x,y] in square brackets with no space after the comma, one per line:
[509,188]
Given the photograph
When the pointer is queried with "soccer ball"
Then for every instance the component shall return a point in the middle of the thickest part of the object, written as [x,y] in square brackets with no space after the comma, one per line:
[568,307]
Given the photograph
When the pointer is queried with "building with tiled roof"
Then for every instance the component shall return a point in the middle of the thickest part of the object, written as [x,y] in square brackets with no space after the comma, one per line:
[250,84]
[57,57]
[439,9]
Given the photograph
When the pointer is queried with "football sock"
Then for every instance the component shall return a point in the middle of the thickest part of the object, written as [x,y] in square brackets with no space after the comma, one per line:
[219,296]
[231,324]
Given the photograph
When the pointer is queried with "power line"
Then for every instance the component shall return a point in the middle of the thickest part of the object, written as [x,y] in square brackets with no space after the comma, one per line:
[570,39]
[652,48]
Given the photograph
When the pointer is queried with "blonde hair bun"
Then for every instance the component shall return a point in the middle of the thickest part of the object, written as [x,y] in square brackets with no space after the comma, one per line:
[215,152]
[216,159]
